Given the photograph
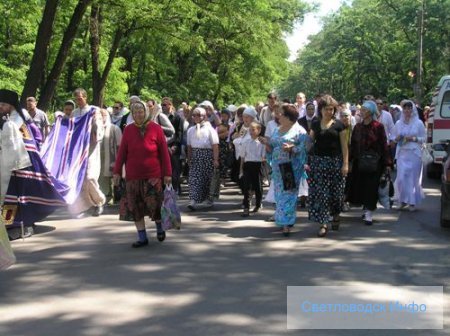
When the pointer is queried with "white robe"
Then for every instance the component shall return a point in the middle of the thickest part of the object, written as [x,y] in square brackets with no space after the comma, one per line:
[408,183]
[13,155]
[90,194]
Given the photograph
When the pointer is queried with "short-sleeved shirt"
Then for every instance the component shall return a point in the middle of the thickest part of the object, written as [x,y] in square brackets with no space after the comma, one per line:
[253,150]
[41,120]
[206,138]
[327,142]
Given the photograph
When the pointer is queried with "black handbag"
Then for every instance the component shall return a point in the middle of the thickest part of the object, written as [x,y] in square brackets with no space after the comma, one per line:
[119,191]
[368,162]
[287,175]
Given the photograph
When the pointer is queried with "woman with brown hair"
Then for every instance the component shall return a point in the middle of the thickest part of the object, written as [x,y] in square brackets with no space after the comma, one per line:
[144,152]
[329,166]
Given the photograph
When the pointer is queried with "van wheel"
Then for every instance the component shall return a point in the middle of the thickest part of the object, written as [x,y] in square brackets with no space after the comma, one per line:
[432,172]
[445,223]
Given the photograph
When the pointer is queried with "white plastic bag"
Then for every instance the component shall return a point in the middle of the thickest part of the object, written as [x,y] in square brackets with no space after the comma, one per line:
[7,257]
[426,156]
[383,193]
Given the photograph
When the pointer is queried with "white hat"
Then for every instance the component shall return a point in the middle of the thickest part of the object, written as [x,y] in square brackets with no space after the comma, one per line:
[207,103]
[232,108]
[346,112]
[250,111]
[134,99]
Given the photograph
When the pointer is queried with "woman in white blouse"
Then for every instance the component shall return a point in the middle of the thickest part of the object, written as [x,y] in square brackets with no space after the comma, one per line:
[202,157]
[409,134]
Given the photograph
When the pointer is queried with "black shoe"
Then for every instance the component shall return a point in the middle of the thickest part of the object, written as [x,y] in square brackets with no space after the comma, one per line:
[335,223]
[246,213]
[97,211]
[140,243]
[367,222]
[256,208]
[335,226]
[161,235]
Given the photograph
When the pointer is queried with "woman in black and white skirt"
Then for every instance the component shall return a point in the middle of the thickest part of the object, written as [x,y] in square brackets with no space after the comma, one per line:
[202,157]
[329,166]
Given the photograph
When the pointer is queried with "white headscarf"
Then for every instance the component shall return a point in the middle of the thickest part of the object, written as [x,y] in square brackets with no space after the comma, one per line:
[414,115]
[199,125]
[142,126]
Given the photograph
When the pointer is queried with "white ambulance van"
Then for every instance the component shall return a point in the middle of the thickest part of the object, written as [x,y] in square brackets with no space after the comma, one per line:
[438,126]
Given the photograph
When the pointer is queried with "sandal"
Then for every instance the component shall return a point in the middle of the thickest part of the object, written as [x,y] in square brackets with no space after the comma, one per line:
[286,231]
[323,231]
[161,235]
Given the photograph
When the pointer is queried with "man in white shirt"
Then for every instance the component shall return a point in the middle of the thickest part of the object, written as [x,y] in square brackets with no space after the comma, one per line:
[385,118]
[39,117]
[300,100]
[268,111]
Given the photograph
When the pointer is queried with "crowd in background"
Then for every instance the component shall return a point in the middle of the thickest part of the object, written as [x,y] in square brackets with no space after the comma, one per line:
[326,155]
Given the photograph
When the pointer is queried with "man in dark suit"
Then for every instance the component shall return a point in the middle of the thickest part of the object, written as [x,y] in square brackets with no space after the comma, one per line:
[309,117]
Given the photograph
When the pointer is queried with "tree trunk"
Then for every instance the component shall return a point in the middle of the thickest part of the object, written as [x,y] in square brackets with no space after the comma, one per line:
[99,80]
[39,60]
[52,80]
[95,47]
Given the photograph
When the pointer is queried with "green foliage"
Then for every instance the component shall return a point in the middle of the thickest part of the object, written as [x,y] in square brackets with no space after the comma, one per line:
[370,47]
[18,29]
[228,51]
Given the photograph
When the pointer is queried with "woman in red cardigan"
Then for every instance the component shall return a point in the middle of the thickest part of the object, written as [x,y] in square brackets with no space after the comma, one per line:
[144,152]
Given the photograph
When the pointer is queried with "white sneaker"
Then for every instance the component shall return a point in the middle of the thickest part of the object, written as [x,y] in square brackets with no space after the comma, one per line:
[192,205]
[402,206]
[205,204]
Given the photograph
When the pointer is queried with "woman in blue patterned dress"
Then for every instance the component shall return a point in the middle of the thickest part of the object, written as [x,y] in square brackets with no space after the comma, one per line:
[287,144]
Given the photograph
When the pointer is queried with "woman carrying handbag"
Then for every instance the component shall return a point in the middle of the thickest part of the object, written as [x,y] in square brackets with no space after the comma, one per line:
[371,158]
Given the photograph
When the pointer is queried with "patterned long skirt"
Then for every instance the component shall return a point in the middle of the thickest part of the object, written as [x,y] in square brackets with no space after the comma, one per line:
[142,198]
[326,188]
[200,174]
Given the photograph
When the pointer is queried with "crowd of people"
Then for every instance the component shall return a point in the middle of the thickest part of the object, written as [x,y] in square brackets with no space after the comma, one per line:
[326,154]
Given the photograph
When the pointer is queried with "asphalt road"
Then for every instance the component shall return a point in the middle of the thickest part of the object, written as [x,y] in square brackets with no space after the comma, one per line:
[219,275]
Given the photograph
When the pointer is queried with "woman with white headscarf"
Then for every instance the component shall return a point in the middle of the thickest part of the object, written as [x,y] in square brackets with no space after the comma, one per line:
[370,158]
[144,153]
[409,134]
[202,158]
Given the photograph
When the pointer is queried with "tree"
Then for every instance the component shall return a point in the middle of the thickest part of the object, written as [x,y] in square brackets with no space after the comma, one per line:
[370,47]
[38,62]
[51,82]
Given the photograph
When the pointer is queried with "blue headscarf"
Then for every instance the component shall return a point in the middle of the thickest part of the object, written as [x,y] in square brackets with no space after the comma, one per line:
[371,106]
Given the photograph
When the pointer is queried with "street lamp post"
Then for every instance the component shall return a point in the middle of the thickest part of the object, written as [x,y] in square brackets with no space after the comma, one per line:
[420,30]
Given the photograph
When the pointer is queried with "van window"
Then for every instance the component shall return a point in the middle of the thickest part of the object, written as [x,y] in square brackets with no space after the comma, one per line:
[445,106]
